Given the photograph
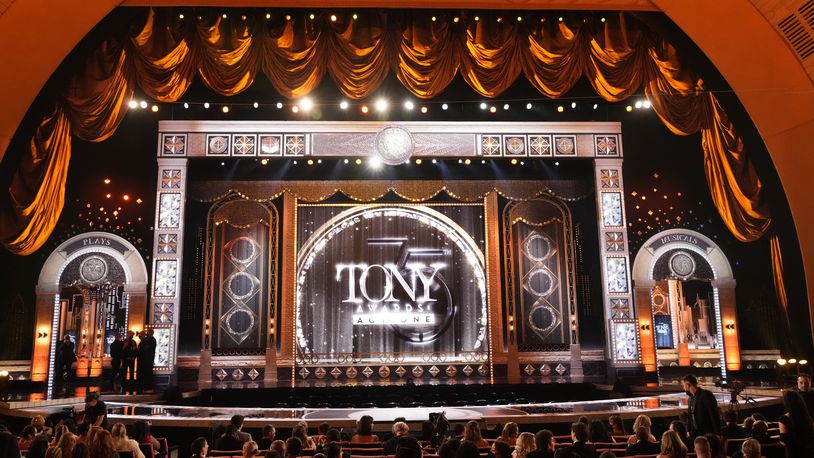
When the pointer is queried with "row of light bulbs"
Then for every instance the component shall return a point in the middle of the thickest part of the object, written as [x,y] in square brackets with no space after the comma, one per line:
[376,163]
[354,16]
[306,104]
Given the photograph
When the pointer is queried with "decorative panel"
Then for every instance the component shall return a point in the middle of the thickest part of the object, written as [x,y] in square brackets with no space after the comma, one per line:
[166,278]
[612,209]
[169,210]
[173,144]
[490,145]
[165,347]
[167,243]
[171,179]
[606,145]
[217,145]
[616,275]
[625,341]
[565,145]
[163,312]
[244,145]
[610,178]
[271,145]
[540,145]
[296,145]
[514,145]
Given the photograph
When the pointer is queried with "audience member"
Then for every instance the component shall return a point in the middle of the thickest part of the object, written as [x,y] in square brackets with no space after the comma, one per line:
[332,450]
[748,422]
[364,431]
[617,426]
[672,446]
[643,445]
[279,447]
[250,449]
[38,447]
[701,447]
[102,445]
[458,430]
[641,420]
[681,428]
[449,448]
[804,388]
[81,451]
[760,432]
[237,420]
[38,422]
[731,428]
[408,447]
[502,450]
[607,454]
[142,433]
[268,437]
[508,436]
[199,448]
[702,408]
[58,432]
[26,437]
[579,437]
[472,433]
[524,445]
[583,419]
[468,449]
[301,432]
[293,447]
[796,429]
[400,429]
[123,443]
[66,444]
[544,445]
[597,432]
[750,448]
[322,431]
[716,445]
[229,440]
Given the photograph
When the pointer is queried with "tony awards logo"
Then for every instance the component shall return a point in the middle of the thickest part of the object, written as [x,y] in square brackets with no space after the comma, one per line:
[410,297]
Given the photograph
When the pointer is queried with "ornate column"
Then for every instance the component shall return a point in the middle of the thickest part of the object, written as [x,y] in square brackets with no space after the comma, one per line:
[622,329]
[168,248]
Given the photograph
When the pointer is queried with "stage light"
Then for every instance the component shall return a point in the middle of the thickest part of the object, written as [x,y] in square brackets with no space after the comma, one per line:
[333,18]
[287,17]
[514,161]
[602,20]
[154,108]
[803,361]
[381,105]
[256,105]
[374,163]
[343,105]
[108,196]
[346,161]
[311,16]
[560,109]
[519,18]
[133,104]
[477,18]
[358,162]
[355,16]
[126,197]
[499,19]
[225,16]
[467,162]
[243,18]
[423,109]
[181,16]
[223,164]
[434,161]
[310,162]
[319,161]
[522,163]
[646,104]
[528,106]
[268,15]
[206,105]
[433,19]
[557,164]
[142,104]
[279,105]
[559,18]
[444,106]
[628,108]
[505,106]
[107,180]
[365,109]
[295,108]
[483,161]
[483,106]
[460,161]
[573,104]
[493,109]
[186,106]
[793,361]
[596,105]
[418,161]
[225,109]
[306,104]
[409,105]
[638,104]
[456,19]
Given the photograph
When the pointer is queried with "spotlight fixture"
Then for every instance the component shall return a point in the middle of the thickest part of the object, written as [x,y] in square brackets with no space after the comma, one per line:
[602,20]
[279,105]
[381,105]
[186,106]
[528,106]
[311,16]
[456,19]
[374,163]
[107,181]
[519,18]
[434,161]
[628,108]
[333,18]
[560,109]
[310,162]
[514,161]
[346,161]
[483,106]
[256,105]
[505,106]
[225,108]
[444,106]
[181,16]
[264,161]
[493,109]
[596,105]
[268,15]
[418,161]
[125,197]
[423,109]
[573,104]
[433,19]
[206,105]
[143,104]
[365,109]
[409,105]
[358,162]
[638,104]
[646,104]
[355,16]
[477,18]
[467,161]
[287,17]
[306,104]
[225,16]
[133,104]
[343,105]
[154,108]
[557,163]
[295,108]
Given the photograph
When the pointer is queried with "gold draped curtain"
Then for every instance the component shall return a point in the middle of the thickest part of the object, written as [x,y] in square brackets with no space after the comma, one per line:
[163,55]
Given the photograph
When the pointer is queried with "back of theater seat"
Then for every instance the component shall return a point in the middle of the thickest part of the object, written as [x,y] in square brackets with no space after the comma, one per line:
[773,450]
[125,454]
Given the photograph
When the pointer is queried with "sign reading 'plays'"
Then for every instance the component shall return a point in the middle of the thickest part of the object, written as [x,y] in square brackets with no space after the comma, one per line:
[96,241]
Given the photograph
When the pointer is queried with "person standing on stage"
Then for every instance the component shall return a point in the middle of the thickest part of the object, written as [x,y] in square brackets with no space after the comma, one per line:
[804,387]
[116,357]
[704,416]
[129,354]
[66,356]
[146,360]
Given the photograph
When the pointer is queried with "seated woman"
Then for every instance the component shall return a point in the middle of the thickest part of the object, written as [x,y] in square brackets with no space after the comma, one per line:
[472,433]
[122,443]
[142,435]
[508,435]
[617,426]
[525,445]
[641,420]
[249,449]
[672,446]
[364,431]
[301,432]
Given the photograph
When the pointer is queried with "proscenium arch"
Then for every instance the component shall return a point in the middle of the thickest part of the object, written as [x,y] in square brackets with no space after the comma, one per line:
[645,259]
[749,52]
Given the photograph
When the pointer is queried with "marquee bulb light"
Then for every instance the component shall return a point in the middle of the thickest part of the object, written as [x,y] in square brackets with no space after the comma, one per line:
[154,108]
[279,105]
[206,105]
[528,106]
[306,104]
[560,108]
[638,104]
[505,106]
[381,105]
[133,104]
[483,105]
[143,104]
[409,105]
[186,106]
[444,106]
[343,104]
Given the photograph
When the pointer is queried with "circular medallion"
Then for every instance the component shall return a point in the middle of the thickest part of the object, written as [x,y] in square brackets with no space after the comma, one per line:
[682,264]
[241,285]
[394,145]
[537,247]
[93,269]
[541,282]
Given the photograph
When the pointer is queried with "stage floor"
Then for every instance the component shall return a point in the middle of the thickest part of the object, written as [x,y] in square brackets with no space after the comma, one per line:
[147,408]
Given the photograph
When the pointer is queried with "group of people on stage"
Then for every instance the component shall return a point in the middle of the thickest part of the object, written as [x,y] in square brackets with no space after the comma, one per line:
[130,361]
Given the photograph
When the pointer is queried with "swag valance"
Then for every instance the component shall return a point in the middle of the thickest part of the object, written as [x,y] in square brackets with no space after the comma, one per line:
[163,54]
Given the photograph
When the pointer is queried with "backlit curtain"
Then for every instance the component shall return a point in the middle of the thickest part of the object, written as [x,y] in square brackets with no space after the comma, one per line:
[165,54]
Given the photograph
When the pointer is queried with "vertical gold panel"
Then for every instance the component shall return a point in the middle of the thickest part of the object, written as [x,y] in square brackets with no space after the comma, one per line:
[492,220]
[285,322]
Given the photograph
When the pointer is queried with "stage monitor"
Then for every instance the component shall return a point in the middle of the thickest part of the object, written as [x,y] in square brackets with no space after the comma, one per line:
[391,283]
